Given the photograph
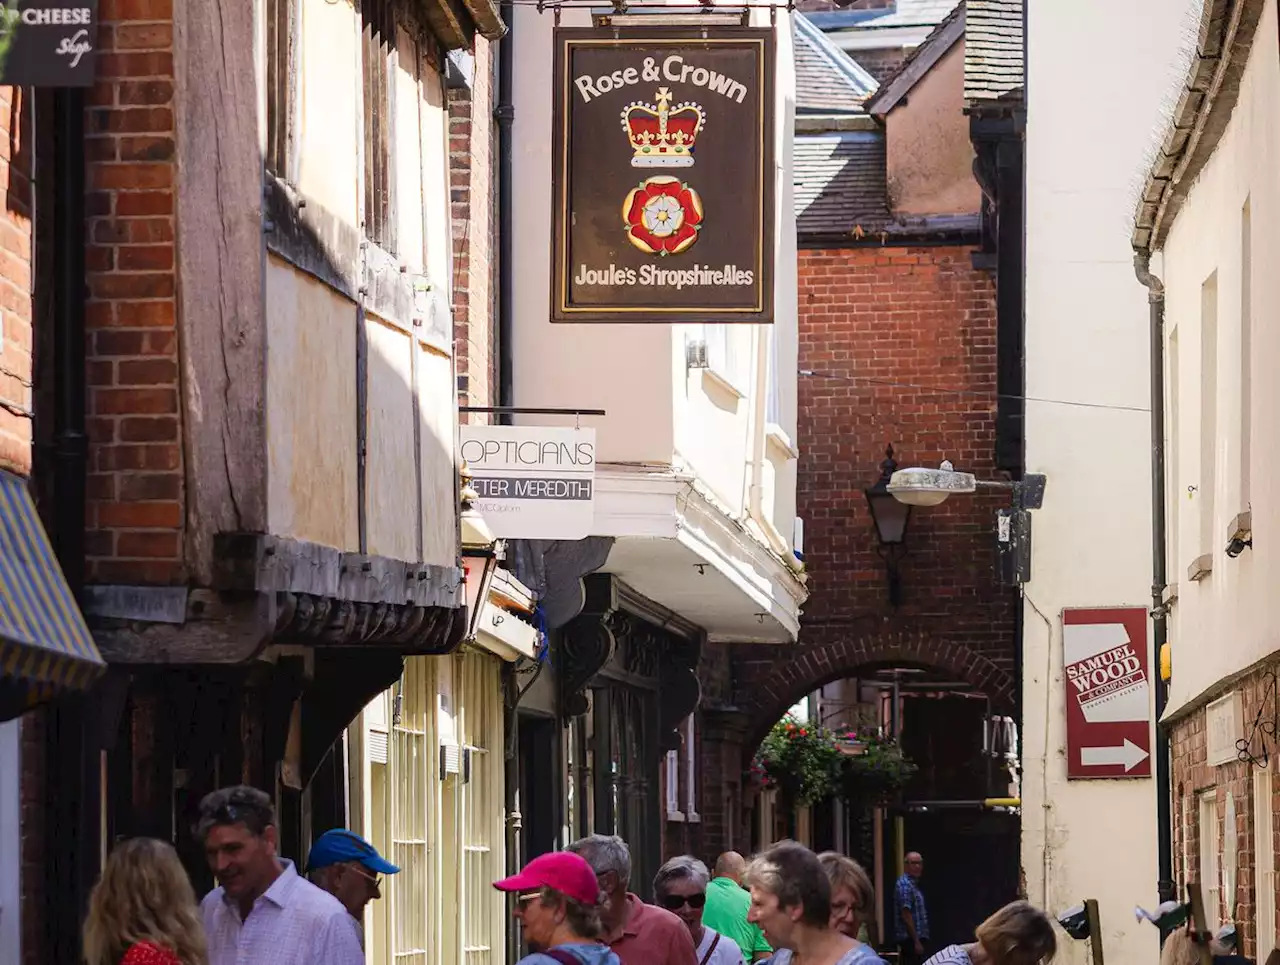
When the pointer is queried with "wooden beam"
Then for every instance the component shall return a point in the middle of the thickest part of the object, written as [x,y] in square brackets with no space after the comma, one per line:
[1095,930]
[221,258]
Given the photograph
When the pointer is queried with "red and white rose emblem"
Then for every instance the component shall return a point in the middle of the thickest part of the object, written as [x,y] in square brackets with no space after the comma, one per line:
[663,216]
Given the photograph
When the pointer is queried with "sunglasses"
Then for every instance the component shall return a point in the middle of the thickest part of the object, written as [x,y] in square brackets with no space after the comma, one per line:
[376,879]
[674,902]
[523,900]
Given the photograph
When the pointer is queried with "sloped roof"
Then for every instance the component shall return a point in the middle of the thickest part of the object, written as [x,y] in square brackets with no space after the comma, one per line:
[1207,98]
[840,183]
[942,38]
[905,13]
[994,62]
[828,81]
[841,196]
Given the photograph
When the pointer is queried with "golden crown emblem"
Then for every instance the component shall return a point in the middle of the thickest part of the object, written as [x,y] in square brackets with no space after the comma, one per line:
[661,135]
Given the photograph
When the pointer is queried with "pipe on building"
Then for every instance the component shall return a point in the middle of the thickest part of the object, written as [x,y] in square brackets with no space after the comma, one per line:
[1159,576]
[505,114]
[72,769]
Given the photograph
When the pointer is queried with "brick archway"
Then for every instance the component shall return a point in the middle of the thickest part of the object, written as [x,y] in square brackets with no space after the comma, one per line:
[769,680]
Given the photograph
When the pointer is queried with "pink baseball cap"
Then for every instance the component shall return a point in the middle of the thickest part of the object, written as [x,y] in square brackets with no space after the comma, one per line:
[562,871]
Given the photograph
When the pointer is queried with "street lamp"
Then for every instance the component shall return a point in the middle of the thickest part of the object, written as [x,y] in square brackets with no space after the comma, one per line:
[932,487]
[479,565]
[890,515]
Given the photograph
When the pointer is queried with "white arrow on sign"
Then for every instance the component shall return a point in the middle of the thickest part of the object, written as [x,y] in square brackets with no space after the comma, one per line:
[1130,755]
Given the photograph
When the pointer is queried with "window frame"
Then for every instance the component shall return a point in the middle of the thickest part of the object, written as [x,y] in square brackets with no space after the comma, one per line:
[1210,876]
[728,362]
[379,60]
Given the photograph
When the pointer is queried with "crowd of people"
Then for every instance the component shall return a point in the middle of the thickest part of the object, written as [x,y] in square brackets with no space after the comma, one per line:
[786,906]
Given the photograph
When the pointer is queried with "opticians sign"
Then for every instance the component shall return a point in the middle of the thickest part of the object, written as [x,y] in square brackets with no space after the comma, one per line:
[48,43]
[532,482]
[663,178]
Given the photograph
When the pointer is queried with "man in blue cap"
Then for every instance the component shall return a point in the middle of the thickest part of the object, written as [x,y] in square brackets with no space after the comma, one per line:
[349,868]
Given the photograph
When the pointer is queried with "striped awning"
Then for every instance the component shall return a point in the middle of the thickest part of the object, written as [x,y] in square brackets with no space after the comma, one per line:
[45,646]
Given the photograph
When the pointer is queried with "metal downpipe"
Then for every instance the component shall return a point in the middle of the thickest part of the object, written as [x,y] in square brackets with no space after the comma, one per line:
[1159,574]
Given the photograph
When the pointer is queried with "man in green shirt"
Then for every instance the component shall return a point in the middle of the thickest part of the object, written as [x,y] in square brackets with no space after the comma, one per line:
[727,905]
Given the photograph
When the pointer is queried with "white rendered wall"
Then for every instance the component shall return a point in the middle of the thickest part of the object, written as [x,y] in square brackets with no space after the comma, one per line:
[1098,72]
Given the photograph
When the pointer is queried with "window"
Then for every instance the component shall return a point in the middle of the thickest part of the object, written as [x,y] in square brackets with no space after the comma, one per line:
[773,399]
[435,754]
[1246,352]
[378,52]
[1208,410]
[672,783]
[483,859]
[1265,862]
[1188,836]
[729,355]
[690,770]
[1210,848]
[413,812]
[281,82]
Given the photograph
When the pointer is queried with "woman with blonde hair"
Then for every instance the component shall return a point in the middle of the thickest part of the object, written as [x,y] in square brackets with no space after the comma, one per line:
[853,898]
[143,910]
[1017,934]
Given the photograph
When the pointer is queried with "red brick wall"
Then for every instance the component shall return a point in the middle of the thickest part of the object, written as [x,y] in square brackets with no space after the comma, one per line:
[135,511]
[15,280]
[1192,775]
[923,320]
[472,183]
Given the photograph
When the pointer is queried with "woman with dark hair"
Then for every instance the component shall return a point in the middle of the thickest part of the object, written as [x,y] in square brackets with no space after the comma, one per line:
[791,902]
[1017,934]
[558,906]
[680,886]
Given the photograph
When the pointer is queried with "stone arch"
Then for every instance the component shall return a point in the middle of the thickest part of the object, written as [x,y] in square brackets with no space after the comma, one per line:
[766,688]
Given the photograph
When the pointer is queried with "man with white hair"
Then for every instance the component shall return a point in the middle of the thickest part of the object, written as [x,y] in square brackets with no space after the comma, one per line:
[639,934]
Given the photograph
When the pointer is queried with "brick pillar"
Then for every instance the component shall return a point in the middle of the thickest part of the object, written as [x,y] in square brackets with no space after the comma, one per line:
[136,488]
[15,280]
[722,733]
[472,189]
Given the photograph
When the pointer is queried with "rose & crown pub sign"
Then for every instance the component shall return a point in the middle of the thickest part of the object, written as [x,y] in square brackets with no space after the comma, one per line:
[663,180]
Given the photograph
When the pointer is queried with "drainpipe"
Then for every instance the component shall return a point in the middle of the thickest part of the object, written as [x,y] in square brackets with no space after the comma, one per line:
[74,794]
[1159,617]
[505,113]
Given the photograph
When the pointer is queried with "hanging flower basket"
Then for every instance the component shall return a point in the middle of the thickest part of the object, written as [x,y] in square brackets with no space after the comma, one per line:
[877,773]
[801,760]
[808,763]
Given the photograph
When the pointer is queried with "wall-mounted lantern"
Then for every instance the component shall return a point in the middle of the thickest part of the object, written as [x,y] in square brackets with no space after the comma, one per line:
[890,516]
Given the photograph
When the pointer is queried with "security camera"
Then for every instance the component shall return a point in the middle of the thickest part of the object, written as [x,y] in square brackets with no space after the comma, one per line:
[1237,546]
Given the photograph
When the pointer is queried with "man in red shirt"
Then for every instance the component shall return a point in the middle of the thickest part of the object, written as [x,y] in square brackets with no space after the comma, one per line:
[639,934]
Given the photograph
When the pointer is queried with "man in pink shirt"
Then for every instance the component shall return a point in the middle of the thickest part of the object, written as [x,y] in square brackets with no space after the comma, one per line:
[639,934]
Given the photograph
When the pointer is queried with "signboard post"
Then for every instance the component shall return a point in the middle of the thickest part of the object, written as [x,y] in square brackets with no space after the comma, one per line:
[663,180]
[48,43]
[1108,692]
[533,482]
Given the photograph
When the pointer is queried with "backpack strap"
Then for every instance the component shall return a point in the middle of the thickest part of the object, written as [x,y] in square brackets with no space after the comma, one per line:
[710,951]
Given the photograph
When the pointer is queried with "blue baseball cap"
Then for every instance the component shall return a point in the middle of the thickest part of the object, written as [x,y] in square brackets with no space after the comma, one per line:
[339,845]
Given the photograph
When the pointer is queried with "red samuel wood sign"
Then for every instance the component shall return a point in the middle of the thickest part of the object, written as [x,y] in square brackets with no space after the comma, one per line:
[1108,684]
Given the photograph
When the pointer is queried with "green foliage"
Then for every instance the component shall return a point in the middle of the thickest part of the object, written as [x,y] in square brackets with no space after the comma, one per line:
[808,763]
[878,772]
[8,29]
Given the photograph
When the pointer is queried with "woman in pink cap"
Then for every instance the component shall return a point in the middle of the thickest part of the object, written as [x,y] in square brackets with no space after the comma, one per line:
[558,906]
